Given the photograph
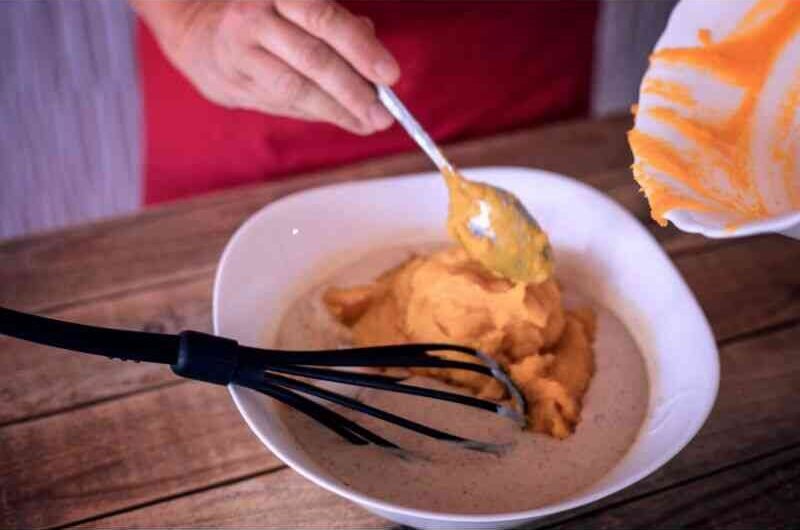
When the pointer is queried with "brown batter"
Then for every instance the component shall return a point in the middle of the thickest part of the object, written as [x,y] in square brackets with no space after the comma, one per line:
[534,471]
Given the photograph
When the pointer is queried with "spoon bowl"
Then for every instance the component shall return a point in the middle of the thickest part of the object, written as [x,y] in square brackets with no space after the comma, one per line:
[490,223]
[496,229]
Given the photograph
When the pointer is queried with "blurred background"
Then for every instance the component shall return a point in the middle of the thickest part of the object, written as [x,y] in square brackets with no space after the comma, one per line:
[72,127]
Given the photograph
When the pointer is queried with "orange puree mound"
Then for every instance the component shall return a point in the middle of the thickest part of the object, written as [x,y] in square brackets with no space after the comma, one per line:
[448,297]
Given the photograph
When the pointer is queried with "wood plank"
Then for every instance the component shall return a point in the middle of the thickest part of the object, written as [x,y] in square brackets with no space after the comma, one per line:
[39,380]
[128,451]
[755,414]
[50,270]
[745,285]
[764,494]
[281,499]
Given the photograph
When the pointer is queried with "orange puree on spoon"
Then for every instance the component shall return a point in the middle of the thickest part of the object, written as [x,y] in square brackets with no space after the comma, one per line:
[495,229]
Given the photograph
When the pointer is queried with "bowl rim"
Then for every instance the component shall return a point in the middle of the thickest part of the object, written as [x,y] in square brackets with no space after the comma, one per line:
[769,225]
[374,503]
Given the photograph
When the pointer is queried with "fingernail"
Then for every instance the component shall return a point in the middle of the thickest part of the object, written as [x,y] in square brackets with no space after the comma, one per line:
[379,117]
[387,71]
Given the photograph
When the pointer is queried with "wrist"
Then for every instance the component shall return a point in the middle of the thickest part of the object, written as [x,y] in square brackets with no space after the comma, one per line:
[167,20]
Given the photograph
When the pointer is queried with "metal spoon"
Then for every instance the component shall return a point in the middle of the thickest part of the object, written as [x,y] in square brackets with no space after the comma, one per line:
[490,223]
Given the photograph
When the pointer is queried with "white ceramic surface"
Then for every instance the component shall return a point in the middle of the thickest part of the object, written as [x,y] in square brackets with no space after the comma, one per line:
[287,245]
[714,99]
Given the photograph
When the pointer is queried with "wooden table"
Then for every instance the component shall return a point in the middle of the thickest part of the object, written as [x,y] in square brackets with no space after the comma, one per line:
[94,443]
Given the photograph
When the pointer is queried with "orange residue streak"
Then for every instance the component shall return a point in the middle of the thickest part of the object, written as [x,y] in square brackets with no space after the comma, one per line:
[662,198]
[761,12]
[743,59]
[784,149]
[634,109]
[669,90]
[705,136]
[664,157]
[704,36]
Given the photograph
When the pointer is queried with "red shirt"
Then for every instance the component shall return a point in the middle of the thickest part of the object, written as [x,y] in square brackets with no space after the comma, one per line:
[468,69]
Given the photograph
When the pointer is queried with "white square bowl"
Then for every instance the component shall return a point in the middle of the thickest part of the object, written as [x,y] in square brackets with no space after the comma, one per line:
[294,242]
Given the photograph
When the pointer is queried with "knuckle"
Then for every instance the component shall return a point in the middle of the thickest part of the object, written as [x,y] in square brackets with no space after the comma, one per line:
[322,16]
[355,97]
[290,87]
[362,42]
[244,9]
[317,55]
[240,84]
[343,118]
[234,14]
[241,18]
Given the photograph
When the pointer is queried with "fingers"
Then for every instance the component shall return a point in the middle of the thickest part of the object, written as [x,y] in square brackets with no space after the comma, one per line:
[317,61]
[278,88]
[249,55]
[346,33]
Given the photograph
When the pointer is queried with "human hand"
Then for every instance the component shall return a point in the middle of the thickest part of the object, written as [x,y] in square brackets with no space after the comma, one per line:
[309,59]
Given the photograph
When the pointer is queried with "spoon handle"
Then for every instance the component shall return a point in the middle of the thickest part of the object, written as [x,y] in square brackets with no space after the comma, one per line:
[393,104]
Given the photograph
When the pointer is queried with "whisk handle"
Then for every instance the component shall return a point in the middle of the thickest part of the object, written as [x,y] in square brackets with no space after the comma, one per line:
[190,354]
[114,343]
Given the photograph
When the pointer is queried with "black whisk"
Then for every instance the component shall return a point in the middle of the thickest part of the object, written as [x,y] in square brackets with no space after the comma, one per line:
[222,361]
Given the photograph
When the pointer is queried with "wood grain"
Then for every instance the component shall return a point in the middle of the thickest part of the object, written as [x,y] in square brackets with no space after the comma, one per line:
[755,415]
[50,270]
[281,499]
[764,494]
[747,284]
[118,454]
[40,380]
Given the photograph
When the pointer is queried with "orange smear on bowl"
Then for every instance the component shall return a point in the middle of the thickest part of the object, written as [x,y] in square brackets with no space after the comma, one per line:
[704,36]
[785,148]
[667,159]
[664,198]
[669,90]
[743,59]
